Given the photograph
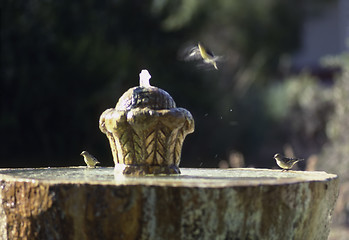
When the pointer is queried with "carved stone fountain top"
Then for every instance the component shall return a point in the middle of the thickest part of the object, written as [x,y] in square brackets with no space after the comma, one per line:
[146,130]
[145,97]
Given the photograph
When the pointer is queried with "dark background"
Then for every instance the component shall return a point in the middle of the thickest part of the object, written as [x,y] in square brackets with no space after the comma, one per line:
[64,62]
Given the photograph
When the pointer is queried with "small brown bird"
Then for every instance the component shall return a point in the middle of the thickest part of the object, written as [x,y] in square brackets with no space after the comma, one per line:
[90,160]
[286,163]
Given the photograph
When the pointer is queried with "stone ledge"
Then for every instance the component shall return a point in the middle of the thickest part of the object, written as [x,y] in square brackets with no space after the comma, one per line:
[189,176]
[84,203]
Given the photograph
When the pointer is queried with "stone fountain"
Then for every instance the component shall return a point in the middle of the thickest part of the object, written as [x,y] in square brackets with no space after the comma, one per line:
[147,196]
[146,130]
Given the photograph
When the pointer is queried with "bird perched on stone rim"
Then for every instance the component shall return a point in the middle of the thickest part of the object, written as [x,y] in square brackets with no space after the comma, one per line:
[90,160]
[286,163]
[199,52]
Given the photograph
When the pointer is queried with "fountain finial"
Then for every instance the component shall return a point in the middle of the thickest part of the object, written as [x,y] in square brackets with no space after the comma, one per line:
[144,77]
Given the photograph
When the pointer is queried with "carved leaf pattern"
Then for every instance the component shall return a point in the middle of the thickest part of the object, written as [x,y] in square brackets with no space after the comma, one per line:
[159,145]
[127,146]
[178,141]
[150,142]
[171,146]
[138,145]
[155,145]
[113,146]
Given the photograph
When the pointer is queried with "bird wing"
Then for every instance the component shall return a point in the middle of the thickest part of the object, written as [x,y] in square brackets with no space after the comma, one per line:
[95,159]
[290,160]
[193,54]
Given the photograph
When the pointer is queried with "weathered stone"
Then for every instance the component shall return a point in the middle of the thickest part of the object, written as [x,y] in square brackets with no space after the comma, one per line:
[81,203]
[146,131]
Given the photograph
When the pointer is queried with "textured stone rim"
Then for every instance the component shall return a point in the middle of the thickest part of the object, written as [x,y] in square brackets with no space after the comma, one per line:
[85,203]
[142,170]
[233,177]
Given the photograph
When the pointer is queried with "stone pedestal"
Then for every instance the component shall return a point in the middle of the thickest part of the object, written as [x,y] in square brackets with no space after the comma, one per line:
[81,203]
[146,130]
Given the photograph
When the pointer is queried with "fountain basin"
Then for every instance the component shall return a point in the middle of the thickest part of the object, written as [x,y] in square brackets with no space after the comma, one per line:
[100,203]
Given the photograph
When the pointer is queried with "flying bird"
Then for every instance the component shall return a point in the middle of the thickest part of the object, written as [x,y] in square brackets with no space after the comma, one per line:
[200,53]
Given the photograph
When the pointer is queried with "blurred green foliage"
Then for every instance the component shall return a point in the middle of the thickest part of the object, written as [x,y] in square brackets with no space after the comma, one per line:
[301,106]
[64,62]
[335,155]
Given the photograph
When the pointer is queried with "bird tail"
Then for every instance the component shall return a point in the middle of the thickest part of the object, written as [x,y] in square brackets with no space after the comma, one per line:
[215,65]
